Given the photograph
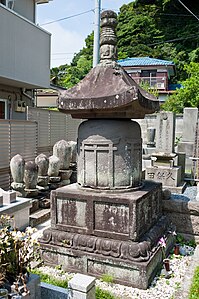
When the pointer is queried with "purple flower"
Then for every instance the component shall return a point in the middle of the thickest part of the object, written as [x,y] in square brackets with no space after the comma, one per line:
[162,242]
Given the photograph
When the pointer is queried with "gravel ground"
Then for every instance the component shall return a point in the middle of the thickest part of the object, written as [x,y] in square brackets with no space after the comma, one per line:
[161,287]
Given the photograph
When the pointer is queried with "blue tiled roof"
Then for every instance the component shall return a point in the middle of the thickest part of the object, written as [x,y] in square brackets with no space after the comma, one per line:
[140,61]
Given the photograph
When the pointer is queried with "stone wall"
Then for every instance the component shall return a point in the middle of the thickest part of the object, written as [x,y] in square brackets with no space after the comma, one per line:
[185,216]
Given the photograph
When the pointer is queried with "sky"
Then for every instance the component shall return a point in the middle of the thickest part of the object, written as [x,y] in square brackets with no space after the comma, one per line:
[68,35]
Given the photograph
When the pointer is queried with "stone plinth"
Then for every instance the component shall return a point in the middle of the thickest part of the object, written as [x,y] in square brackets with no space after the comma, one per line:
[123,215]
[130,263]
[168,176]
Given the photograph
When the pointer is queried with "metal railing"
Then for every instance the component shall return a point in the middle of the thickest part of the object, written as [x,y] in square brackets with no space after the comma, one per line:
[159,83]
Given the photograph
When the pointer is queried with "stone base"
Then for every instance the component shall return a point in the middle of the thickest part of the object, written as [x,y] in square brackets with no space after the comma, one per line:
[168,176]
[125,215]
[129,263]
[179,189]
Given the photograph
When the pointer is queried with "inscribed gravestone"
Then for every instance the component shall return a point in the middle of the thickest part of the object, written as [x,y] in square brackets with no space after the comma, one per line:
[190,118]
[165,132]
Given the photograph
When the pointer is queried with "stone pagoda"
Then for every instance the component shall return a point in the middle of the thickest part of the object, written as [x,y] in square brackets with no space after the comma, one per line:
[110,221]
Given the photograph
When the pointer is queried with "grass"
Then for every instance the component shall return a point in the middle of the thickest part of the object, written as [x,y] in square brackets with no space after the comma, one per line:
[194,291]
[100,294]
[107,278]
[51,280]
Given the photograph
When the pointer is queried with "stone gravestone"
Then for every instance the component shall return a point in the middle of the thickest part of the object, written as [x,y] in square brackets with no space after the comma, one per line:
[162,168]
[190,122]
[110,221]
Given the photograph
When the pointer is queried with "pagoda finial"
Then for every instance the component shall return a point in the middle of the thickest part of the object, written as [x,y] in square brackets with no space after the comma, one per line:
[108,39]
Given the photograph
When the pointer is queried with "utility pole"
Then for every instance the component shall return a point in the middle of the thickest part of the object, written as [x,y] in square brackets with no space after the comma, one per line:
[96,46]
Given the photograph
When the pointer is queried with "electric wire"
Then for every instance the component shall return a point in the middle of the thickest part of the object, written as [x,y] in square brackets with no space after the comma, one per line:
[66,18]
[188,9]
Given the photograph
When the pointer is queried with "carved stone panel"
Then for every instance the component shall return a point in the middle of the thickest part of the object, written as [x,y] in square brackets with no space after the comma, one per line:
[71,212]
[111,217]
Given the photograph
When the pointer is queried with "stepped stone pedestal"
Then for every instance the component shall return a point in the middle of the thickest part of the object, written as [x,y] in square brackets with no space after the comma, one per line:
[110,221]
[163,168]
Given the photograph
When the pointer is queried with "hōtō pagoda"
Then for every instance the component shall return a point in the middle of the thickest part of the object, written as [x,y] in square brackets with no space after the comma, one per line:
[110,221]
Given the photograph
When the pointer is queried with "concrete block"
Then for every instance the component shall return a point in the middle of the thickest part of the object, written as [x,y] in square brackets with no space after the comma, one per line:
[81,287]
[9,197]
[20,210]
[53,292]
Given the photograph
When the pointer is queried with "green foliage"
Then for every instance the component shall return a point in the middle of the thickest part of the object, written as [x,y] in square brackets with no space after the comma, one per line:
[188,96]
[194,291]
[17,250]
[50,279]
[107,278]
[156,28]
[101,294]
[181,241]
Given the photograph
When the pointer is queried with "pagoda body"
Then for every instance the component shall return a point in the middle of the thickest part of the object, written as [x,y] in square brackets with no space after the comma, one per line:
[110,221]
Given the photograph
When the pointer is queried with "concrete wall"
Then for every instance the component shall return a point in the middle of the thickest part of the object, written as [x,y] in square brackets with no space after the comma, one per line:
[25,51]
[185,216]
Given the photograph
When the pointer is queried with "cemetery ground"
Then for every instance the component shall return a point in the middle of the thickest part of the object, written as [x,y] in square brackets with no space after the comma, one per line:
[174,284]
[177,282]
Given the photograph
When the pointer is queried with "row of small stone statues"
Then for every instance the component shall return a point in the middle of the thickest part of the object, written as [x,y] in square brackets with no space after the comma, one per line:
[33,176]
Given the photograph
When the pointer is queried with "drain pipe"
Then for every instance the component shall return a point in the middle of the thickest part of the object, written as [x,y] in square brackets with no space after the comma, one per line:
[28,96]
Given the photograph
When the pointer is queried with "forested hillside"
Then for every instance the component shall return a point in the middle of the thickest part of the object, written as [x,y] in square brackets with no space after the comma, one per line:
[157,28]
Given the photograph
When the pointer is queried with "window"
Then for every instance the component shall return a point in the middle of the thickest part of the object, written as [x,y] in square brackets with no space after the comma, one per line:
[8,3]
[3,109]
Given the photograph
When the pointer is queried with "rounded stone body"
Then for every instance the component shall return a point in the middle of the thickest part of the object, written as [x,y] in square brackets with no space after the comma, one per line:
[73,145]
[17,164]
[54,166]
[30,175]
[62,150]
[109,154]
[42,163]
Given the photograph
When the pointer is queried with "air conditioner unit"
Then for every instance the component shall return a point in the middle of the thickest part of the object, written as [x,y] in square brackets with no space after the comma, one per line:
[160,85]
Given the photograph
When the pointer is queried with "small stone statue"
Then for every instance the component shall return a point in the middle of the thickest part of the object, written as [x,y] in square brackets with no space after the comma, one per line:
[17,164]
[63,150]
[30,179]
[42,163]
[53,171]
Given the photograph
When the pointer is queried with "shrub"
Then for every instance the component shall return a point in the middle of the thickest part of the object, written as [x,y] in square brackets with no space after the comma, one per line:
[194,291]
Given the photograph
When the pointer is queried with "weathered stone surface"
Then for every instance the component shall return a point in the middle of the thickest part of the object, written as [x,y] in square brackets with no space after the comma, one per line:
[109,154]
[129,263]
[30,175]
[190,118]
[151,137]
[168,176]
[165,132]
[125,215]
[54,166]
[42,163]
[17,164]
[107,91]
[73,145]
[62,150]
